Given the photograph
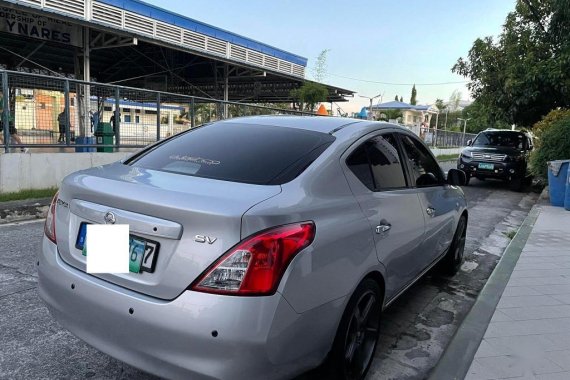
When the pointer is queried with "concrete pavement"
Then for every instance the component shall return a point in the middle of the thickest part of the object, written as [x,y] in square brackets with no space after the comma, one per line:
[519,327]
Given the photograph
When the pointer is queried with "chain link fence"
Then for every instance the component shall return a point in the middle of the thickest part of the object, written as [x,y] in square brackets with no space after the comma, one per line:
[73,115]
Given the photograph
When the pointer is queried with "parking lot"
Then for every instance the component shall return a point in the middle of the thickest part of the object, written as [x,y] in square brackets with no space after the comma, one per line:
[414,332]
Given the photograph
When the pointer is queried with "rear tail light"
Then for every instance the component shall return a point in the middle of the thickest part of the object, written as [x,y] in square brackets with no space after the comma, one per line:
[255,266]
[49,227]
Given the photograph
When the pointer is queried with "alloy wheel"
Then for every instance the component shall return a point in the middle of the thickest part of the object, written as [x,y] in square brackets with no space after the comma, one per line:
[361,335]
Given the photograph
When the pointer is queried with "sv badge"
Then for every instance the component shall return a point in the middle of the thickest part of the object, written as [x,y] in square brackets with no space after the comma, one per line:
[204,239]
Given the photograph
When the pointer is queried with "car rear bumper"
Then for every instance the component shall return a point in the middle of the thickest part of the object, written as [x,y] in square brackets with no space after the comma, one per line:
[257,337]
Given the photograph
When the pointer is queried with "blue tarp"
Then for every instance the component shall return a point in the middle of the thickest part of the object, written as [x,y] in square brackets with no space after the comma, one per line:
[172,18]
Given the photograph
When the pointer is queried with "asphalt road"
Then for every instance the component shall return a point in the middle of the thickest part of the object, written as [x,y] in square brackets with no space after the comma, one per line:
[415,329]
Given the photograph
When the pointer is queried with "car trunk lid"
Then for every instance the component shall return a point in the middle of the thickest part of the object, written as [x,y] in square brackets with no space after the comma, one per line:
[194,220]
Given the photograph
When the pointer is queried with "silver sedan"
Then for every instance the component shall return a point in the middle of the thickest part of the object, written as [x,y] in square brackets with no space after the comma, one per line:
[268,246]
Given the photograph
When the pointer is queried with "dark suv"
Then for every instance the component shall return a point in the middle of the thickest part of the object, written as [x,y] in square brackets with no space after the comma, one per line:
[499,154]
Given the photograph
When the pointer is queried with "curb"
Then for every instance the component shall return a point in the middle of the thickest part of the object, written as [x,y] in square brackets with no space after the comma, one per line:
[458,356]
[17,211]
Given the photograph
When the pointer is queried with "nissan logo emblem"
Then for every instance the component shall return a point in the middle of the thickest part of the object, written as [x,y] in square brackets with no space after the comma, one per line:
[110,218]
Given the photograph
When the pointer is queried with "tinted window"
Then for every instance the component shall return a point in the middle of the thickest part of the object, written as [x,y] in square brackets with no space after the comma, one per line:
[385,163]
[247,153]
[359,165]
[377,164]
[501,139]
[424,169]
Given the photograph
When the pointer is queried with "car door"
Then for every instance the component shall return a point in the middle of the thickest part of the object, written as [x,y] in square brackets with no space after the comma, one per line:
[376,176]
[438,200]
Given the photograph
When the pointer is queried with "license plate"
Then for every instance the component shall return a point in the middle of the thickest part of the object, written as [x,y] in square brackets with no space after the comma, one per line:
[486,166]
[142,252]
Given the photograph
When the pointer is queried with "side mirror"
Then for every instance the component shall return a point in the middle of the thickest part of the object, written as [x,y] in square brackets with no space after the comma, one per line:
[456,177]
[469,142]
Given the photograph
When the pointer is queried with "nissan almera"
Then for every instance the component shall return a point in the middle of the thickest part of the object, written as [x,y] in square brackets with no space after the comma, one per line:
[269,246]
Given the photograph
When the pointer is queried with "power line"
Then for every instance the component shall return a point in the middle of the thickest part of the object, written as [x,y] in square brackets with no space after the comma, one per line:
[396,84]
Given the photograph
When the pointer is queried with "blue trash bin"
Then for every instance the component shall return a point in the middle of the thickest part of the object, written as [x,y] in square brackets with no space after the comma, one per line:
[557,179]
[567,198]
[82,140]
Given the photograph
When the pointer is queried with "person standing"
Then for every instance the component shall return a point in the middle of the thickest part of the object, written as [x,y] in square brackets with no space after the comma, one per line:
[62,121]
[11,128]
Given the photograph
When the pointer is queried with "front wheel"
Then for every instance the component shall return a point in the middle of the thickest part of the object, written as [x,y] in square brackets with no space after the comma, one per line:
[451,263]
[516,184]
[357,335]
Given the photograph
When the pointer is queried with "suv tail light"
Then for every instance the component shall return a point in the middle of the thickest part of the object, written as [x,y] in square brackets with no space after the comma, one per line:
[49,227]
[255,266]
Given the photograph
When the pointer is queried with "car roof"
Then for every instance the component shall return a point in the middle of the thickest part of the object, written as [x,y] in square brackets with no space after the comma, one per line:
[494,130]
[322,124]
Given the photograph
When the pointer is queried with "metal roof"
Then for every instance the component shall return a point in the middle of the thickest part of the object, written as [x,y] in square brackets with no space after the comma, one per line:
[172,18]
[157,25]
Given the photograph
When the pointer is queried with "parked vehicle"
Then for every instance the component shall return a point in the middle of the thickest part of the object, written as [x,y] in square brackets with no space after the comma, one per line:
[272,245]
[499,154]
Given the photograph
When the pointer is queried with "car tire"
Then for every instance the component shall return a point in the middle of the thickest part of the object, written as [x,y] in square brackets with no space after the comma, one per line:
[516,184]
[353,349]
[452,260]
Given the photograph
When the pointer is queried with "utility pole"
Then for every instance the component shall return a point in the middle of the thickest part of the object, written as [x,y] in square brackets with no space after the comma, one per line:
[371,100]
[464,127]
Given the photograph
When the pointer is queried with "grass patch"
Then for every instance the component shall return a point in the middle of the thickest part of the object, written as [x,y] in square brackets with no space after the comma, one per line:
[447,157]
[28,194]
[511,234]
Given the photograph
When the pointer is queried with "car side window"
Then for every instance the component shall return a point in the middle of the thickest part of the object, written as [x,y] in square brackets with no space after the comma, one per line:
[358,164]
[377,164]
[424,169]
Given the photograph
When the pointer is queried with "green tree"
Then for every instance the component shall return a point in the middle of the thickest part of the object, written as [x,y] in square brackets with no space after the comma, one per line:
[390,114]
[440,105]
[480,118]
[525,73]
[554,145]
[396,98]
[413,99]
[401,99]
[309,95]
[320,67]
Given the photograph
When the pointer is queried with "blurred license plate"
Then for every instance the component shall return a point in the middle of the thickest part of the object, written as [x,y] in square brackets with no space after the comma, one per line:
[142,252]
[483,165]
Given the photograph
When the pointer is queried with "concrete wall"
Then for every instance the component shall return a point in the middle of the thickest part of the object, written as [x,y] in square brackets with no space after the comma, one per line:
[440,151]
[22,171]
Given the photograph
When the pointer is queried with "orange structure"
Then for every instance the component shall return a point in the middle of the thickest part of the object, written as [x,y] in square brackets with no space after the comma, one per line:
[322,111]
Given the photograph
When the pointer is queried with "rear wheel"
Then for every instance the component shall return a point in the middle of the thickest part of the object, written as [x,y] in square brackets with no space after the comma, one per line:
[357,335]
[451,263]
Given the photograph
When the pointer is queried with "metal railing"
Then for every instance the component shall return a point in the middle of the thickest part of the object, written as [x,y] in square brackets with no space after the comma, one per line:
[439,138]
[74,115]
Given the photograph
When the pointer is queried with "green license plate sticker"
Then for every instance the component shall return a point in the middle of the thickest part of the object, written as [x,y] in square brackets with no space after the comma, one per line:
[483,165]
[136,254]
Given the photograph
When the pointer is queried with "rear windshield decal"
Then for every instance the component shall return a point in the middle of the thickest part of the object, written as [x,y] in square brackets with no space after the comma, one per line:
[198,160]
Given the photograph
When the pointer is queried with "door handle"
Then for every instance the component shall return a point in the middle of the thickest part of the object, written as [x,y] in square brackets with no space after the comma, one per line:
[383,228]
[430,211]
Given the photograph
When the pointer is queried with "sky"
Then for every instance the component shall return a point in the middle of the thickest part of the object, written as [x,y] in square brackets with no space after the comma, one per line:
[404,42]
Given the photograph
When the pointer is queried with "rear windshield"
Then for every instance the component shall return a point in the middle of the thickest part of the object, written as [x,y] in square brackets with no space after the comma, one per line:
[501,139]
[256,154]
